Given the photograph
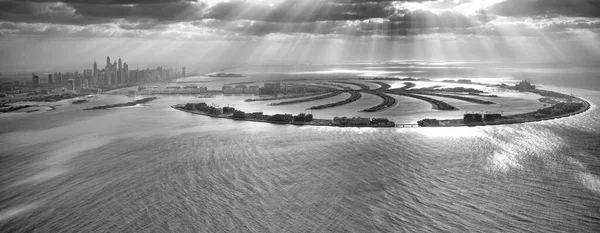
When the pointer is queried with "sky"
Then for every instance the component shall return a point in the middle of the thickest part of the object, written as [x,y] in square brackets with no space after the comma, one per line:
[49,34]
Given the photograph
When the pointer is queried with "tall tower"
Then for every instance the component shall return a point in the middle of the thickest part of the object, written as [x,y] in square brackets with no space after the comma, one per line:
[126,73]
[35,81]
[107,61]
[120,72]
[95,74]
[95,69]
[183,71]
[114,74]
[107,76]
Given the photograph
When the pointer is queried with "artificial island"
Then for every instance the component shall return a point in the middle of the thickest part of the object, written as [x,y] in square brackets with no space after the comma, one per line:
[556,105]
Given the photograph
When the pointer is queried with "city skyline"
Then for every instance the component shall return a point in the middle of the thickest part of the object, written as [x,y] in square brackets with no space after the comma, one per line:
[34,33]
[113,75]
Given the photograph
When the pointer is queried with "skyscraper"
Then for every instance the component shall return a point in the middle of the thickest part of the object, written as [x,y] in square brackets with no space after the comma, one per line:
[107,76]
[126,73]
[183,71]
[50,79]
[36,81]
[95,74]
[71,83]
[107,61]
[114,74]
[120,72]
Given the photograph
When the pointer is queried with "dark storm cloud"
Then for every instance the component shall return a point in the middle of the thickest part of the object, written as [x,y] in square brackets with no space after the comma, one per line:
[81,12]
[532,8]
[301,11]
[372,1]
[9,26]
[111,2]
[259,28]
[97,12]
[415,23]
[19,8]
[30,12]
[172,11]
[409,23]
[244,18]
[426,19]
[259,18]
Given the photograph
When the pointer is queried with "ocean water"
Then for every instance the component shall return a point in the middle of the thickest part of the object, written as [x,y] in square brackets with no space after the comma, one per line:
[155,169]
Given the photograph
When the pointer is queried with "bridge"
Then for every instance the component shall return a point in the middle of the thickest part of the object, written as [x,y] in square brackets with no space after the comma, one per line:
[407,125]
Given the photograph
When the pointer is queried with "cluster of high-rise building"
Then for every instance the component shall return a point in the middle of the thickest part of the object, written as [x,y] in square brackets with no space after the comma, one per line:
[524,85]
[118,74]
[113,74]
[73,79]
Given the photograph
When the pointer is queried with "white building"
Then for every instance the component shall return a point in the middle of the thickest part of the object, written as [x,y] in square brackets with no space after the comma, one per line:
[227,90]
[239,89]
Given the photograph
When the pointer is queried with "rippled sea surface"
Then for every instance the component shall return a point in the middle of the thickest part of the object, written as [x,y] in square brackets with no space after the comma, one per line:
[157,169]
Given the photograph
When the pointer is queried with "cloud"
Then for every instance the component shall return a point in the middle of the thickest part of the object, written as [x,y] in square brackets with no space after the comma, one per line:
[98,12]
[81,12]
[533,8]
[426,19]
[148,25]
[171,11]
[300,11]
[248,19]
[111,2]
[58,13]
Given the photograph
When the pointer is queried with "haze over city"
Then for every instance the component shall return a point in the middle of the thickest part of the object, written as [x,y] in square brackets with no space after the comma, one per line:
[47,34]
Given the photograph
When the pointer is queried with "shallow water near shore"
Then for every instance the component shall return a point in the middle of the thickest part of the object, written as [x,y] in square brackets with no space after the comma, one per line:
[154,168]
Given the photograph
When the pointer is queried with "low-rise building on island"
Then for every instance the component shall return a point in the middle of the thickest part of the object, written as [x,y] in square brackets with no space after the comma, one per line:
[300,119]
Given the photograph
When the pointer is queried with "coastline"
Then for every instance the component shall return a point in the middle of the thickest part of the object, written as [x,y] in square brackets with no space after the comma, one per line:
[517,118]
[315,122]
[448,123]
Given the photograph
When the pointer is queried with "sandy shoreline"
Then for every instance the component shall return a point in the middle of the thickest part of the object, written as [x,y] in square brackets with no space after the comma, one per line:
[455,122]
[324,122]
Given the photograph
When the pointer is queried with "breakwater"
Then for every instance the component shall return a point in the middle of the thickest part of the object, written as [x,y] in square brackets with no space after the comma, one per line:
[9,108]
[283,97]
[467,99]
[384,86]
[437,104]
[388,102]
[128,104]
[329,95]
[354,96]
[363,87]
